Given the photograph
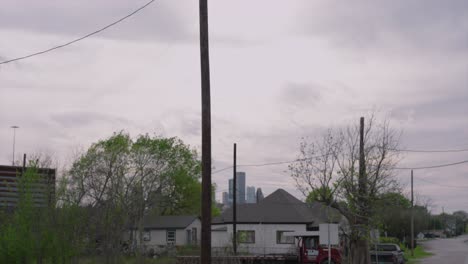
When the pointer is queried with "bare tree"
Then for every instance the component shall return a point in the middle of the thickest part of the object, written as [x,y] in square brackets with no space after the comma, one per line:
[329,169]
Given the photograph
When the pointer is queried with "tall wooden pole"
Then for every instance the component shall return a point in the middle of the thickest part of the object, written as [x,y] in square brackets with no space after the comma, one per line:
[363,199]
[206,135]
[234,202]
[412,216]
[362,182]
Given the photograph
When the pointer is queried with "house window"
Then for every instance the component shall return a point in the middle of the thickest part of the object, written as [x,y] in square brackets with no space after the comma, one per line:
[189,236]
[283,238]
[246,236]
[170,237]
[194,236]
[146,236]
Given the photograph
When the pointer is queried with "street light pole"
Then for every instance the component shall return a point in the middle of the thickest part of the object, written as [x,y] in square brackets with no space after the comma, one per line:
[14,139]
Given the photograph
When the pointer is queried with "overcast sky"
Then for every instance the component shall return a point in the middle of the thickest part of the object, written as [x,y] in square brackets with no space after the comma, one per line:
[280,70]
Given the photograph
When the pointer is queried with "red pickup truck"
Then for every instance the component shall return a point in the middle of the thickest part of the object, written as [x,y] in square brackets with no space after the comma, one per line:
[311,251]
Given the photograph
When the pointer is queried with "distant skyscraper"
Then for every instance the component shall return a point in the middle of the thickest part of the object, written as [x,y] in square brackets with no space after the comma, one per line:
[259,195]
[226,198]
[251,196]
[231,182]
[240,195]
[240,187]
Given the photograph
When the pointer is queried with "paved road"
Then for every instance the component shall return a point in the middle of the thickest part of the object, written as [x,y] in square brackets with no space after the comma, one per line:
[447,251]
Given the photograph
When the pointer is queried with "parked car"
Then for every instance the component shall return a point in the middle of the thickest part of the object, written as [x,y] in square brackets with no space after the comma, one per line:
[390,248]
[383,258]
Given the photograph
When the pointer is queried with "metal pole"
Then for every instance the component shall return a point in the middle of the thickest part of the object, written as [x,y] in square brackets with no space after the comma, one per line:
[14,141]
[412,216]
[205,256]
[234,202]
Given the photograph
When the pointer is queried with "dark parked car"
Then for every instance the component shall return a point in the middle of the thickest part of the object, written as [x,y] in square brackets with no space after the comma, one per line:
[389,248]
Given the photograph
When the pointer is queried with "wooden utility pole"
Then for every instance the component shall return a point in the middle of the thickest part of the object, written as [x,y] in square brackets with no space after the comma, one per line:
[206,135]
[234,202]
[362,168]
[412,216]
[363,198]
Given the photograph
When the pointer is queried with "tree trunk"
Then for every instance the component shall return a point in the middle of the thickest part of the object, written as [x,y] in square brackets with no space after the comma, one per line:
[139,253]
[360,252]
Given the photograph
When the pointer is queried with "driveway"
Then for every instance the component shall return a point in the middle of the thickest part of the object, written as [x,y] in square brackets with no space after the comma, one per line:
[447,250]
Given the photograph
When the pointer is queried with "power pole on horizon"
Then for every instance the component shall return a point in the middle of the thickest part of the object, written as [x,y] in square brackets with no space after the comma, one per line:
[412,216]
[362,182]
[234,202]
[205,256]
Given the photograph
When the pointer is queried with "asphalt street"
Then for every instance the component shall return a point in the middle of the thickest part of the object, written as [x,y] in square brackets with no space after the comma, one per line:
[447,251]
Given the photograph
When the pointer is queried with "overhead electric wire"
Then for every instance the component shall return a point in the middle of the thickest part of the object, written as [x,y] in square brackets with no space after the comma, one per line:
[291,161]
[442,185]
[268,164]
[430,150]
[432,167]
[220,170]
[79,39]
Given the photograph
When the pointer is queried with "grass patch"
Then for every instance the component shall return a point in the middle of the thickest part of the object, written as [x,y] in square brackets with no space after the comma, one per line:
[419,253]
[127,260]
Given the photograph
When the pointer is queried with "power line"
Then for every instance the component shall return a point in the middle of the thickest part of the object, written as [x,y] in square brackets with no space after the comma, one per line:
[81,38]
[430,151]
[269,163]
[220,170]
[274,163]
[442,185]
[291,161]
[434,166]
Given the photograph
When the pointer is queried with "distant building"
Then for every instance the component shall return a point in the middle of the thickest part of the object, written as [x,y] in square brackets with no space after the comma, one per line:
[251,196]
[240,187]
[42,188]
[240,197]
[231,183]
[226,200]
[259,195]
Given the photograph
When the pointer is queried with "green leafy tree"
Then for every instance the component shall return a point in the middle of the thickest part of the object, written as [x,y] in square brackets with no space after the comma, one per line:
[393,216]
[122,180]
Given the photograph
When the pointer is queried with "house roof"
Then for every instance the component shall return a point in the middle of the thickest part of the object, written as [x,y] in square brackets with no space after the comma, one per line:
[278,207]
[167,222]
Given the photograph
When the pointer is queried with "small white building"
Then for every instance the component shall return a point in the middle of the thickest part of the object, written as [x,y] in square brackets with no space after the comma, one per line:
[162,231]
[263,228]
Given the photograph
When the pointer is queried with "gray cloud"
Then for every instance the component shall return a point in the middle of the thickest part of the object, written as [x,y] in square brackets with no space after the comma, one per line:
[370,24]
[77,119]
[300,94]
[161,21]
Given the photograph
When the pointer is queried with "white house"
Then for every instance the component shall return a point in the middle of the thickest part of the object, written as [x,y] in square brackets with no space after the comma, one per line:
[263,228]
[162,231]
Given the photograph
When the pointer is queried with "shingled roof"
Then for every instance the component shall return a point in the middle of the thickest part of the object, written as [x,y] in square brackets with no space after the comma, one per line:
[280,207]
